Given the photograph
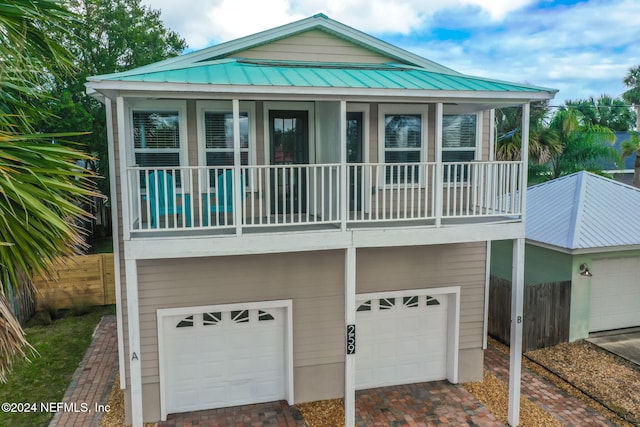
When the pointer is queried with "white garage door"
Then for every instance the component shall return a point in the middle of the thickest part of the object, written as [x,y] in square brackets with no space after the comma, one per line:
[401,340]
[223,358]
[615,294]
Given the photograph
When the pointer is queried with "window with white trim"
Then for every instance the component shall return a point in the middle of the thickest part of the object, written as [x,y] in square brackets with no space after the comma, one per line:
[216,139]
[219,141]
[156,138]
[459,143]
[403,136]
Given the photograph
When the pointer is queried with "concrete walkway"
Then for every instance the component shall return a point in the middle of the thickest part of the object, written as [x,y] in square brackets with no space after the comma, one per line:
[624,343]
[92,381]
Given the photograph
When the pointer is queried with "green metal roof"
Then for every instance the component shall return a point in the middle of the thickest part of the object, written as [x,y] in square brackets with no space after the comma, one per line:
[312,74]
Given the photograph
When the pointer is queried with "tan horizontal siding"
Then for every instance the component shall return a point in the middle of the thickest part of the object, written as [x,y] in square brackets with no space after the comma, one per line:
[314,281]
[486,134]
[314,45]
[390,269]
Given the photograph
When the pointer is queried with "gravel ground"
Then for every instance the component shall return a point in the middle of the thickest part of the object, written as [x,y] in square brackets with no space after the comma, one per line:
[494,394]
[115,417]
[606,378]
[325,413]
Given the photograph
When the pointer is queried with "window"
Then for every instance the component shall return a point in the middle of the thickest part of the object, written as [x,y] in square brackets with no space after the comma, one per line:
[156,138]
[459,143]
[218,138]
[403,132]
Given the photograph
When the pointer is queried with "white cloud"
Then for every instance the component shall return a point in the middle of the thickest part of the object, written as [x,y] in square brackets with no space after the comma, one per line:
[201,22]
[498,9]
[583,49]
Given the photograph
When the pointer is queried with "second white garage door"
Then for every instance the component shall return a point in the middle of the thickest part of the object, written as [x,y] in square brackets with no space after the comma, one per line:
[401,340]
[216,359]
[615,294]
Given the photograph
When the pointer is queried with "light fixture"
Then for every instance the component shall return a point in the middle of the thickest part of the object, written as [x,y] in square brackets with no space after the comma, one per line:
[584,270]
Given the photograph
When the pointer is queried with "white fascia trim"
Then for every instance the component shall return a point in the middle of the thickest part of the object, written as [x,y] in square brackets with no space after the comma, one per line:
[166,312]
[248,244]
[115,225]
[453,321]
[436,236]
[339,92]
[306,241]
[583,251]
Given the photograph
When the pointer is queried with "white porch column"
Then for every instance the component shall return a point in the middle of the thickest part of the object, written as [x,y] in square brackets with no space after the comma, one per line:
[350,319]
[135,360]
[517,285]
[237,169]
[438,153]
[115,224]
[524,157]
[517,302]
[124,173]
[344,204]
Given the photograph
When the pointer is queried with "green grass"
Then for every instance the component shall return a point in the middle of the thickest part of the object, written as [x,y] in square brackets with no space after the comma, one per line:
[61,347]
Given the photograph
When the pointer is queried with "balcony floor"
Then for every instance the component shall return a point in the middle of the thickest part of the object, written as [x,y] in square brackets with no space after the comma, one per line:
[284,225]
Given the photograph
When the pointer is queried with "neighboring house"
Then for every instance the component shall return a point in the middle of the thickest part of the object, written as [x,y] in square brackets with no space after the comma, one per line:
[625,173]
[273,190]
[577,223]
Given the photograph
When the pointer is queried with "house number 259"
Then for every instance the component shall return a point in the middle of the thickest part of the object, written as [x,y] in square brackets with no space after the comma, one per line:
[351,339]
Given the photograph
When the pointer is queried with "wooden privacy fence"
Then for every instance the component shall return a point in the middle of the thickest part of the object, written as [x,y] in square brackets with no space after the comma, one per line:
[86,279]
[22,299]
[545,313]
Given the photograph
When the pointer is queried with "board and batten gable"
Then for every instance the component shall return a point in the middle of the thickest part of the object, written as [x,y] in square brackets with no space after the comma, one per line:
[314,46]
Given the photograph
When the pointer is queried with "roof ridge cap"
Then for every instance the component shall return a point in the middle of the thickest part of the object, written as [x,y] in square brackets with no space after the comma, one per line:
[578,208]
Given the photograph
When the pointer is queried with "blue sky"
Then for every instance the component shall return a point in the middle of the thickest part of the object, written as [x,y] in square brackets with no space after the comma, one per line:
[581,47]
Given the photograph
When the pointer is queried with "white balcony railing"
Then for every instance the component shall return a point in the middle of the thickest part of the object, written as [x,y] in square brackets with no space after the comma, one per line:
[181,198]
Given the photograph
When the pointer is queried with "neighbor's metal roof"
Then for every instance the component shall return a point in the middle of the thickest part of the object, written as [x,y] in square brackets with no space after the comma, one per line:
[313,74]
[583,211]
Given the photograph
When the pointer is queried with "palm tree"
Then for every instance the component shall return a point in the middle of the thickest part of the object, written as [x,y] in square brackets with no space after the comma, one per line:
[30,54]
[543,141]
[613,113]
[42,188]
[584,146]
[632,81]
[629,147]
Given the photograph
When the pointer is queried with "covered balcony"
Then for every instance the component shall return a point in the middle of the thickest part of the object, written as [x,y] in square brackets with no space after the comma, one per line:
[339,196]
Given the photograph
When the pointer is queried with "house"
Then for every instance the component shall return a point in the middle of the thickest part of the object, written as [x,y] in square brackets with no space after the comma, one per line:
[582,232]
[624,173]
[302,213]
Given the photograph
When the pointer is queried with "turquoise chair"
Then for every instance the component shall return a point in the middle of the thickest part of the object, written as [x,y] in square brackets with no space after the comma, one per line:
[224,195]
[161,191]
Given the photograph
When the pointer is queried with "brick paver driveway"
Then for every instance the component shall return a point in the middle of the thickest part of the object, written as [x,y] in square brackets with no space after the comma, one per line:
[423,404]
